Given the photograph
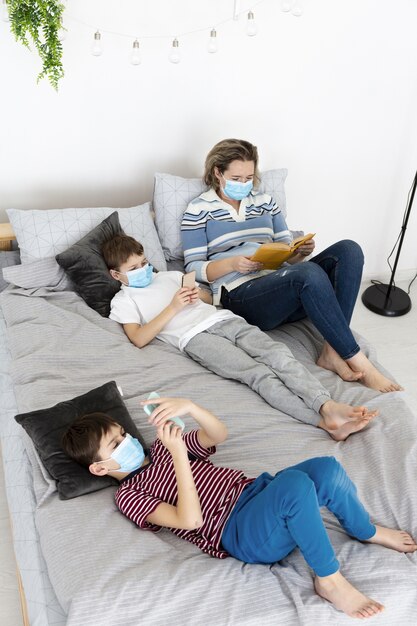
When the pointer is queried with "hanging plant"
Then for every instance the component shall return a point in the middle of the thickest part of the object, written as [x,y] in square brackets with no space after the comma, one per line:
[40,21]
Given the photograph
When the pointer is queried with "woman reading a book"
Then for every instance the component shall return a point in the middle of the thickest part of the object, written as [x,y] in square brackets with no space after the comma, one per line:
[224,227]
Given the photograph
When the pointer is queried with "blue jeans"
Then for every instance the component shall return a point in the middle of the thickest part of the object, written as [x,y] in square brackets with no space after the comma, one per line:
[324,289]
[275,514]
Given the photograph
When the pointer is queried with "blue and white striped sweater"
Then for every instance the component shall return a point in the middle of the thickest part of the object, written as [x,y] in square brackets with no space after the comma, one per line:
[211,230]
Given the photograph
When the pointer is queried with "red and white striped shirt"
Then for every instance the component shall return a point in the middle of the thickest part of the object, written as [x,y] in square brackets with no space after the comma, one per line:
[218,489]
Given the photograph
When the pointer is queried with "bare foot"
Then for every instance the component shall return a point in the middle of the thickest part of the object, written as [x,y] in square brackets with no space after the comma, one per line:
[371,376]
[345,597]
[330,360]
[398,540]
[341,420]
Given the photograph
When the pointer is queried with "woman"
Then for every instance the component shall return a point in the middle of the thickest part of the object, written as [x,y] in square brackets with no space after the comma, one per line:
[222,228]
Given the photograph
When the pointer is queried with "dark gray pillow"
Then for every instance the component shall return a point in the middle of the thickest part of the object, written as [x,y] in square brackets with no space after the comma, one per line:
[46,426]
[84,264]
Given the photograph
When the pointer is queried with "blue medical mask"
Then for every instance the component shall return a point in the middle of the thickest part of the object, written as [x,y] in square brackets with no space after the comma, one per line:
[141,277]
[129,455]
[236,190]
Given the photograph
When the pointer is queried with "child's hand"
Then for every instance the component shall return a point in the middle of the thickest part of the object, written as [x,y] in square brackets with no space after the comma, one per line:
[167,409]
[171,437]
[182,298]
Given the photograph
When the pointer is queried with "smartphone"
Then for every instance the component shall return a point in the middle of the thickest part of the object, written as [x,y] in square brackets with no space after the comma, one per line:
[188,280]
[148,408]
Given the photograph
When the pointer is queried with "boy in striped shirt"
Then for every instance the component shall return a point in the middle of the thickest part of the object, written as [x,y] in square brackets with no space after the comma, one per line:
[174,485]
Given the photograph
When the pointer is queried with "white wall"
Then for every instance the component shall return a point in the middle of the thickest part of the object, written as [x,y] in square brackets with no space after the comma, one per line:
[329,95]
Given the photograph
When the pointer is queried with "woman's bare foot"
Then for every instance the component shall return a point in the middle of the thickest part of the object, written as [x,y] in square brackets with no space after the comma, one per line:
[330,360]
[398,540]
[371,376]
[341,420]
[345,597]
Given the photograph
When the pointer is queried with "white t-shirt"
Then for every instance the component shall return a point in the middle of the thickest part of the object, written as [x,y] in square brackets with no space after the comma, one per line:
[140,305]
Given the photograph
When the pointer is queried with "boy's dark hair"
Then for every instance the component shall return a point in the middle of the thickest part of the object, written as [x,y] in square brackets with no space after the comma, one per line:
[117,250]
[81,441]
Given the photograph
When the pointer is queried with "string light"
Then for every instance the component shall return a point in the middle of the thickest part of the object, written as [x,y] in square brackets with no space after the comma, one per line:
[135,57]
[96,49]
[4,12]
[251,27]
[175,55]
[212,42]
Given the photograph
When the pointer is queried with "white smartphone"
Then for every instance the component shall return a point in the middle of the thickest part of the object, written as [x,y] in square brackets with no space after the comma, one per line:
[188,280]
[148,408]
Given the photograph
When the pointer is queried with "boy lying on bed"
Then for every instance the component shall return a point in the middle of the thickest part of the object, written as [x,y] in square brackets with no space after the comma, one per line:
[219,509]
[151,305]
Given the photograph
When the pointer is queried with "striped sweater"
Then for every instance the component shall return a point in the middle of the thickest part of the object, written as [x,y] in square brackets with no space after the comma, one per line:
[212,230]
[218,489]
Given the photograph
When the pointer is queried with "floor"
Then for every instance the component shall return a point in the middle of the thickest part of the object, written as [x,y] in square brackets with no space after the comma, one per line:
[396,342]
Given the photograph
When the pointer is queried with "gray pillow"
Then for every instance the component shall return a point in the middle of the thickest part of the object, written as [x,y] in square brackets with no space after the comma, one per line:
[40,273]
[46,426]
[7,258]
[85,265]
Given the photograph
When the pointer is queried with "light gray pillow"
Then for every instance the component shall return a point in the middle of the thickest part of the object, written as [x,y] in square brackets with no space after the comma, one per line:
[172,194]
[7,258]
[46,233]
[40,273]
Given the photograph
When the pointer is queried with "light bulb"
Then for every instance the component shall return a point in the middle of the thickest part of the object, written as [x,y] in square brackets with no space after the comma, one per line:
[212,42]
[96,49]
[286,5]
[297,10]
[4,12]
[251,28]
[175,55]
[135,57]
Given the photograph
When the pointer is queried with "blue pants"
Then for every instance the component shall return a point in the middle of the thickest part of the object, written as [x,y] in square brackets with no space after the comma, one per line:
[275,514]
[324,289]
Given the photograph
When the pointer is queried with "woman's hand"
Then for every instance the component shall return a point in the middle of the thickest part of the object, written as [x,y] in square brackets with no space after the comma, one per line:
[307,248]
[244,265]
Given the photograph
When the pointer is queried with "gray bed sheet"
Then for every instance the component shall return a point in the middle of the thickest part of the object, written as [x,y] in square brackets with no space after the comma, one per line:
[106,572]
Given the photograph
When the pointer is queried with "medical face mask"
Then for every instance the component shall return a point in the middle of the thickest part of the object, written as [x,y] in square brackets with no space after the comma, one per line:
[236,190]
[129,455]
[141,277]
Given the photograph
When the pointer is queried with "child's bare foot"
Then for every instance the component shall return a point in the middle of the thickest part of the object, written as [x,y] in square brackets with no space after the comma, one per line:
[341,420]
[371,376]
[345,597]
[330,360]
[398,540]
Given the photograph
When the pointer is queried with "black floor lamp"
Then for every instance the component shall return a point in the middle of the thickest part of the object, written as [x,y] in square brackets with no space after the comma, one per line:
[387,299]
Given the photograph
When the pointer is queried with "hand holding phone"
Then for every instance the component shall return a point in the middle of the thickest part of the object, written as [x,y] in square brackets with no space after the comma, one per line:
[188,280]
[148,408]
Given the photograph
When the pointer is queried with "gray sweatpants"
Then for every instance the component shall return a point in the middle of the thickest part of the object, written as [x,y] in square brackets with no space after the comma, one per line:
[235,349]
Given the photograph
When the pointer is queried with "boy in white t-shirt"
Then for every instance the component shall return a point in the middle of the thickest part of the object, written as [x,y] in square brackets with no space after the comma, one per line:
[155,305]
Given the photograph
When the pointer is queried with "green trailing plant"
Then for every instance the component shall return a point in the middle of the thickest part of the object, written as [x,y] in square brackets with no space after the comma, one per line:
[40,21]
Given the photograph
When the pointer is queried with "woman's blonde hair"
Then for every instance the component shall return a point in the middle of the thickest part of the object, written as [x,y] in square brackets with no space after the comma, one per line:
[223,153]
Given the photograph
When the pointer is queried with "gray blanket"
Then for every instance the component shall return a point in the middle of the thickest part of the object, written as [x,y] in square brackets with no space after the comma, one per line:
[106,572]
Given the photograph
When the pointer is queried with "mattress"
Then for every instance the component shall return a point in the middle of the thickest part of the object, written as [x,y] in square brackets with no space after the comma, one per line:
[83,563]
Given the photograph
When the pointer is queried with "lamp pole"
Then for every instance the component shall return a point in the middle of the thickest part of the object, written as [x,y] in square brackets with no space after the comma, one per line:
[385,299]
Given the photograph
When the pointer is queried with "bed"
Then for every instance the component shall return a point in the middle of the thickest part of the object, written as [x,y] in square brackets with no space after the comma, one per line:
[82,563]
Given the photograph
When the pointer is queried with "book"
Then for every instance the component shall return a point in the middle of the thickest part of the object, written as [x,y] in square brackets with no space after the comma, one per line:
[272,255]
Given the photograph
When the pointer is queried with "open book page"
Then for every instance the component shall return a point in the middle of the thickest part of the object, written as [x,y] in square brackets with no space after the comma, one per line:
[272,255]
